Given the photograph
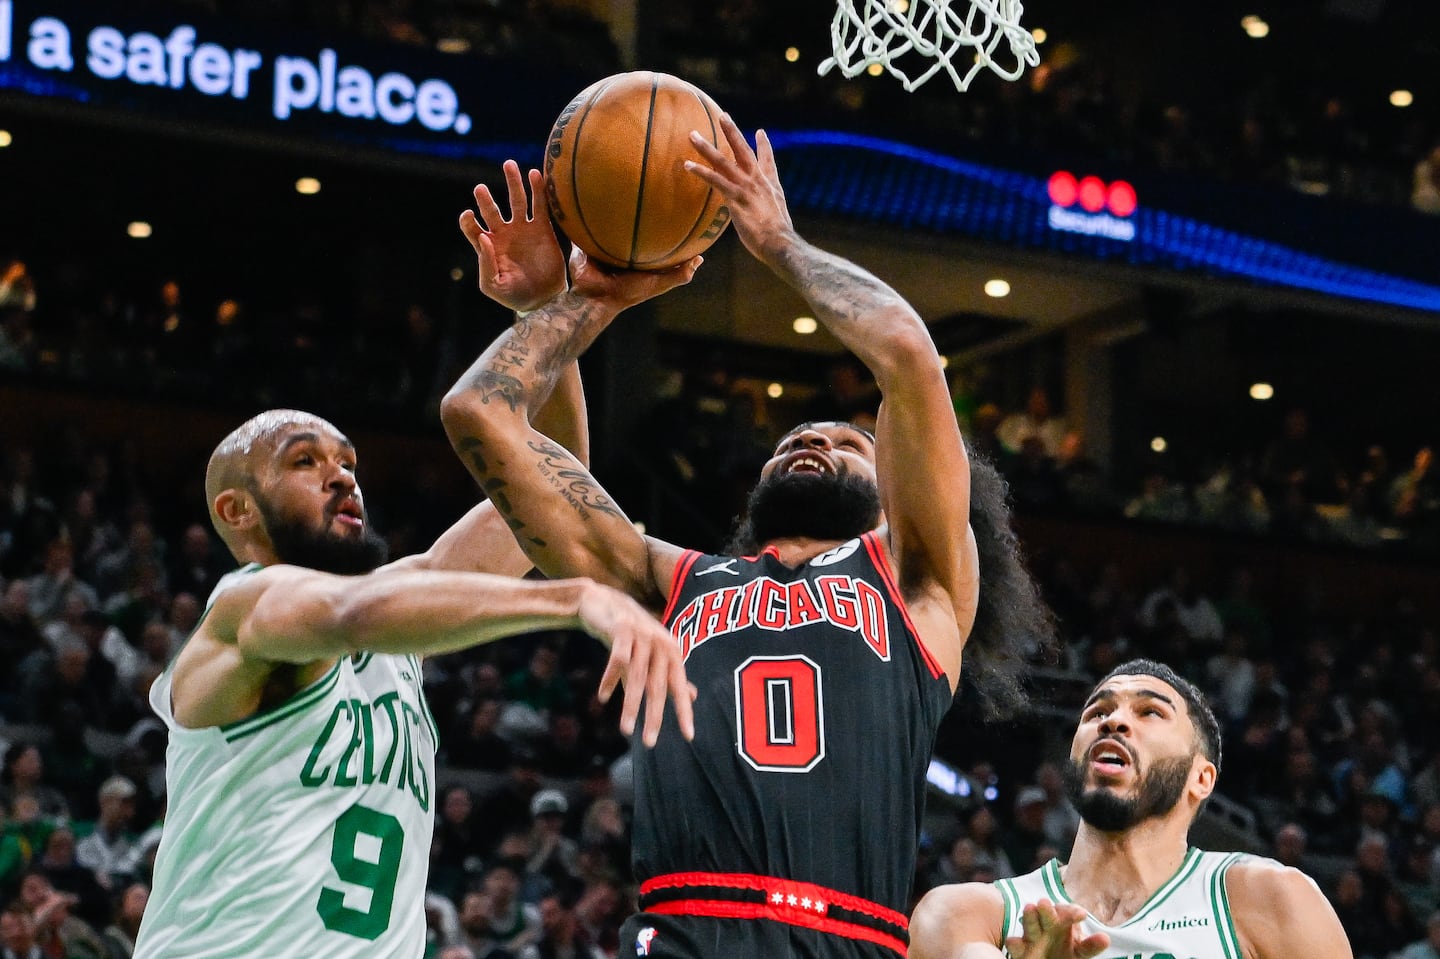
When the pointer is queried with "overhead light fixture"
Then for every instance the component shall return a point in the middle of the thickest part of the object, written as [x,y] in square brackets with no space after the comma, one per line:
[457,274]
[307,186]
[139,229]
[1255,28]
[805,325]
[874,69]
[452,45]
[997,288]
[792,54]
[5,138]
[944,362]
[1039,35]
[1261,391]
[774,391]
[1401,98]
[1158,444]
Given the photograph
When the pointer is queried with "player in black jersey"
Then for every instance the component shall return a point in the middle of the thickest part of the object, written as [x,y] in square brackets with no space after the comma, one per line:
[825,647]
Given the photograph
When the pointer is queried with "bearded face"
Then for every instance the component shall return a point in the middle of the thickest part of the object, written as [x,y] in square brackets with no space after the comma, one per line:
[297,543]
[812,505]
[1157,791]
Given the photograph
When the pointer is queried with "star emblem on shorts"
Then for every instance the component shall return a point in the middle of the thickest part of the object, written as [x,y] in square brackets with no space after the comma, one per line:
[792,900]
[777,898]
[819,906]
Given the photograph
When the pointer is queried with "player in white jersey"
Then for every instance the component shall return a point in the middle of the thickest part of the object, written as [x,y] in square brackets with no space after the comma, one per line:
[1144,759]
[300,768]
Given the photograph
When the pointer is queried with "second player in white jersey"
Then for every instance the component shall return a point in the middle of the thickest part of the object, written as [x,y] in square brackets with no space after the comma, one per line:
[299,824]
[1187,918]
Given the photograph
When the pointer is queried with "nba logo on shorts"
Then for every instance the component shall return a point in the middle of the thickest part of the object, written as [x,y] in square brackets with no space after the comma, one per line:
[642,941]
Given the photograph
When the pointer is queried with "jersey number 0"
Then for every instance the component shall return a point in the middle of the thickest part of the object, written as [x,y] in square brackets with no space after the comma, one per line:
[780,713]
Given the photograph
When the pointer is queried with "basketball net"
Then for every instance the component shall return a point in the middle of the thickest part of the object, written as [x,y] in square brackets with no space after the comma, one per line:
[867,32]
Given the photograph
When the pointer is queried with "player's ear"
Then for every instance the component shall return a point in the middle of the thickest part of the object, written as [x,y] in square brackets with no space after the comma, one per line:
[1203,775]
[236,509]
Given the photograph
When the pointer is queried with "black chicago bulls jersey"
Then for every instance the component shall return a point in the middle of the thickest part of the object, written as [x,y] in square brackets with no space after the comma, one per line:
[814,726]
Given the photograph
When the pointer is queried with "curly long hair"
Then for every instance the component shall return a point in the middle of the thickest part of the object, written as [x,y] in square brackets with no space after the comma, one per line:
[1013,623]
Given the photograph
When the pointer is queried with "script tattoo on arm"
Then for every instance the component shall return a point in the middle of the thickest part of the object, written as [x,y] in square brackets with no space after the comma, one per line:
[572,482]
[494,488]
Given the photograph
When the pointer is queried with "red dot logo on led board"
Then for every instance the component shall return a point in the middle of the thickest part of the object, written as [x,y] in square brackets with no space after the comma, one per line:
[1063,188]
[1092,193]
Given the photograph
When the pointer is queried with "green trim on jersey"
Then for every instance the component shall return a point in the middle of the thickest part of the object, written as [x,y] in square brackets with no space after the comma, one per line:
[424,701]
[361,660]
[305,697]
[1050,873]
[1007,894]
[1220,906]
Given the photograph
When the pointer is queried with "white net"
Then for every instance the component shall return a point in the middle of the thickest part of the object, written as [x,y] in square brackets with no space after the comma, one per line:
[930,36]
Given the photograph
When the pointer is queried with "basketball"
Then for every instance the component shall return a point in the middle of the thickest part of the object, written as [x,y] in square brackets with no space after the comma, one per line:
[615,162]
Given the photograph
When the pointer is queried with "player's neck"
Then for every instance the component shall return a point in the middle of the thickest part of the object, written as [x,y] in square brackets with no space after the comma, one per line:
[1114,874]
[796,550]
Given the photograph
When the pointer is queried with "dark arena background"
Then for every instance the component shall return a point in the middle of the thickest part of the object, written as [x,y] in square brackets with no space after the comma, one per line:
[1184,275]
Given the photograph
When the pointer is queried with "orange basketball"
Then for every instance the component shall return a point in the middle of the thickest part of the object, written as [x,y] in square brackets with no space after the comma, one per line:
[618,187]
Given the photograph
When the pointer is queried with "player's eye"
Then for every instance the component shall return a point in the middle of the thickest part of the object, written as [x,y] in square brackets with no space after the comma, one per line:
[304,459]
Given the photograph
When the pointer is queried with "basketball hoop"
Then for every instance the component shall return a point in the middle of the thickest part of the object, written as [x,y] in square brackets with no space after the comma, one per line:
[869,32]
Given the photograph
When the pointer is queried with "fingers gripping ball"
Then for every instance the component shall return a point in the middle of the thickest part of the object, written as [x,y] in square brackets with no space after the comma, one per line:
[618,187]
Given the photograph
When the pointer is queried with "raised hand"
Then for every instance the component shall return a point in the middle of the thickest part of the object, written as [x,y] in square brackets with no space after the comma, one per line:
[1052,931]
[625,288]
[521,263]
[644,656]
[750,184]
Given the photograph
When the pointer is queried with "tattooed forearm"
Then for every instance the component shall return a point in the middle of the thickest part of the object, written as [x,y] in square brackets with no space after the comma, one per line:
[522,366]
[572,482]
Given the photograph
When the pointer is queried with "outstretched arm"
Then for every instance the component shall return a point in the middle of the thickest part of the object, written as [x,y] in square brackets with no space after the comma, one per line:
[287,614]
[923,472]
[562,518]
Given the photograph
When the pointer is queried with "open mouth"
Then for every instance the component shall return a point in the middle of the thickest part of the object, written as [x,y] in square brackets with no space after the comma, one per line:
[1109,756]
[349,513]
[807,463]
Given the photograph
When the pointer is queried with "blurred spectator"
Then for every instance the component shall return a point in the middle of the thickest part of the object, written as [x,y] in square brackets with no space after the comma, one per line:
[107,847]
[1024,838]
[57,863]
[476,743]
[1300,461]
[539,685]
[119,936]
[196,566]
[17,288]
[553,854]
[561,935]
[1035,422]
[1160,500]
[1062,820]
[56,931]
[1425,194]
[56,582]
[23,778]
[1194,609]
[496,916]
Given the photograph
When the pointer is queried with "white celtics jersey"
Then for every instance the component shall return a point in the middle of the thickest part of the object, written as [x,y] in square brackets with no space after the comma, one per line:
[302,832]
[1187,918]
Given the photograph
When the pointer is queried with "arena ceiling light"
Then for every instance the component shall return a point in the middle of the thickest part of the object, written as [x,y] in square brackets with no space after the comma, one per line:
[307,186]
[774,391]
[1158,444]
[138,229]
[5,139]
[792,54]
[1039,35]
[997,288]
[1255,28]
[1401,98]
[805,325]
[1261,391]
